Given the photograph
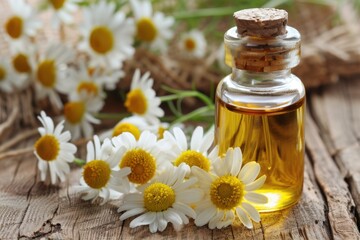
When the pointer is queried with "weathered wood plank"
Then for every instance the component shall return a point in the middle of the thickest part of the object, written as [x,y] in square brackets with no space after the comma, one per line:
[338,197]
[336,112]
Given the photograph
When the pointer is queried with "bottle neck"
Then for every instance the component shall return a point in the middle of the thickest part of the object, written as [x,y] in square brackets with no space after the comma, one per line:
[251,78]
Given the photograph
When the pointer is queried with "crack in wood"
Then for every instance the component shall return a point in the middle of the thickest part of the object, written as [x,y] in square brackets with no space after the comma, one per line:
[73,227]
[28,199]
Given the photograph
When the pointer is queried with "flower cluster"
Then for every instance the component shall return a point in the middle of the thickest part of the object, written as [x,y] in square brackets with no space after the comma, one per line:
[158,174]
[160,181]
[74,76]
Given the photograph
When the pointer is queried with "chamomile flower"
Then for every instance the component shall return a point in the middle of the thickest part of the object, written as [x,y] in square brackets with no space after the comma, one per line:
[107,35]
[142,100]
[7,76]
[159,129]
[21,60]
[165,199]
[85,83]
[63,11]
[230,192]
[99,179]
[50,74]
[196,154]
[21,24]
[142,156]
[134,125]
[152,29]
[53,150]
[193,44]
[78,115]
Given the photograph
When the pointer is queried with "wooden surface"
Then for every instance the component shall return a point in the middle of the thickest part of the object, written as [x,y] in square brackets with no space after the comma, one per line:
[329,207]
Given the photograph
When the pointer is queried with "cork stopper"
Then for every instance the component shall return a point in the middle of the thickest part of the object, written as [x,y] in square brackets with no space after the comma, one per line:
[261,22]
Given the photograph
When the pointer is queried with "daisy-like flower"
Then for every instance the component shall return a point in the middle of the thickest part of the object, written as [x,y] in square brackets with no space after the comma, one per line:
[99,179]
[229,192]
[7,76]
[21,60]
[196,154]
[193,44]
[91,82]
[165,199]
[142,100]
[107,35]
[134,125]
[21,24]
[53,149]
[159,129]
[50,74]
[63,11]
[142,156]
[152,29]
[78,115]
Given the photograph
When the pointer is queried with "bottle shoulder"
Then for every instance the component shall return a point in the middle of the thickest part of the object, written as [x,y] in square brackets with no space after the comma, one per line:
[262,95]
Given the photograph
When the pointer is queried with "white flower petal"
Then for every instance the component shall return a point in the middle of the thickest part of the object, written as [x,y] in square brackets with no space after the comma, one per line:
[131,213]
[251,211]
[256,198]
[196,138]
[244,218]
[258,183]
[249,172]
[144,219]
[204,217]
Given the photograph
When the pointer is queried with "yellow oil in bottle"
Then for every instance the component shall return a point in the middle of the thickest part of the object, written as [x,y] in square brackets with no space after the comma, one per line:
[274,139]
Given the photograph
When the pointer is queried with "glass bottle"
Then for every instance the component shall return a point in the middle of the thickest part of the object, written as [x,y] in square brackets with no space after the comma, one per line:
[260,107]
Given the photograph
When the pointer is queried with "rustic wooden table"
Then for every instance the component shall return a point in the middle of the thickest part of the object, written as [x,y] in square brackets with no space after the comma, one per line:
[329,207]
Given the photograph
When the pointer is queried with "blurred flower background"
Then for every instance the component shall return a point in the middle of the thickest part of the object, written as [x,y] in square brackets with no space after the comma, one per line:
[77,59]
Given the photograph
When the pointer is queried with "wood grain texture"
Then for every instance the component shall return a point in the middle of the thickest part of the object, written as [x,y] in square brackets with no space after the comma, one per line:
[328,209]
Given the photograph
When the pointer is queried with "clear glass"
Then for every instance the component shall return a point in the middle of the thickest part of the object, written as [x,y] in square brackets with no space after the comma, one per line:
[263,113]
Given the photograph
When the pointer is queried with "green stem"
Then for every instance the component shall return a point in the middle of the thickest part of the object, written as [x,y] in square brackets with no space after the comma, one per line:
[196,113]
[184,94]
[79,162]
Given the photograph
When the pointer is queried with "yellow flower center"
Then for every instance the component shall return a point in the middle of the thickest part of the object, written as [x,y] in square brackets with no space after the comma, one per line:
[193,158]
[97,173]
[2,73]
[57,4]
[47,147]
[91,70]
[158,197]
[136,101]
[126,127]
[226,192]
[46,73]
[14,27]
[161,131]
[74,112]
[146,29]
[190,44]
[101,39]
[21,64]
[142,164]
[88,87]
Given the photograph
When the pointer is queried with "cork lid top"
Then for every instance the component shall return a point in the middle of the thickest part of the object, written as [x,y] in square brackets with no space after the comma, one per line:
[261,22]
